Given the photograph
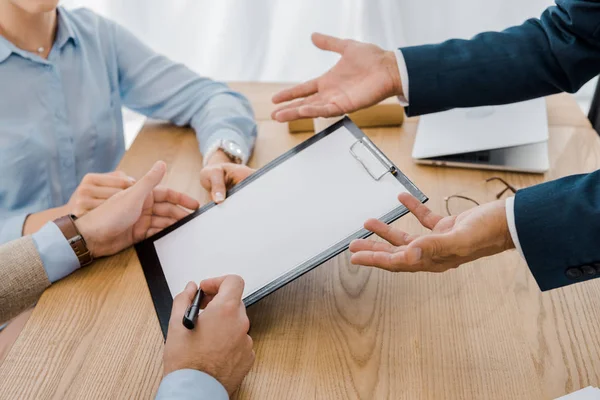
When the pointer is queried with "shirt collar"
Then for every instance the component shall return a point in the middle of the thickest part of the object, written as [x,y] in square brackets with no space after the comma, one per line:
[65,33]
[5,49]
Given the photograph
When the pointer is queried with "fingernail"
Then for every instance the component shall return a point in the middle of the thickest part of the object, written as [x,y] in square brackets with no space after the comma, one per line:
[131,179]
[159,165]
[219,197]
[416,254]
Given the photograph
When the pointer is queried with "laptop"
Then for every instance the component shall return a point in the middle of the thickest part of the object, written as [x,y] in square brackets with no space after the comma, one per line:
[512,137]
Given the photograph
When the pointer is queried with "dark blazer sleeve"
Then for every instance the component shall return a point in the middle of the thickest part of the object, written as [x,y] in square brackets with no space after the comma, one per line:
[558,229]
[557,53]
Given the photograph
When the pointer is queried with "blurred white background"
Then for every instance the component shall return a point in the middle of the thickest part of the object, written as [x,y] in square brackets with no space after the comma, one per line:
[269,40]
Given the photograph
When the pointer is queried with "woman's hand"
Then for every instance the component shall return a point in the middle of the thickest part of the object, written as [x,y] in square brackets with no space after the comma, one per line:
[95,189]
[221,174]
[134,214]
[453,241]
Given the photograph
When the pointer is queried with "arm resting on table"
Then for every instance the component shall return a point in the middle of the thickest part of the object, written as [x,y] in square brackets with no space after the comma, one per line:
[160,88]
[29,265]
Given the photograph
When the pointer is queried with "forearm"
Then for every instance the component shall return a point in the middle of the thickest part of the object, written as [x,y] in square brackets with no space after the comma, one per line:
[556,53]
[160,88]
[29,265]
[36,221]
[558,229]
[22,277]
[225,115]
[214,111]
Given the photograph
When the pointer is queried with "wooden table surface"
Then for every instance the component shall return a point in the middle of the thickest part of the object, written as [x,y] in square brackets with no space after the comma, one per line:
[484,331]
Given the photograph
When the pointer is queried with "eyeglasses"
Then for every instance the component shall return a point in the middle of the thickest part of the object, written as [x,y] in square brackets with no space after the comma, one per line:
[491,189]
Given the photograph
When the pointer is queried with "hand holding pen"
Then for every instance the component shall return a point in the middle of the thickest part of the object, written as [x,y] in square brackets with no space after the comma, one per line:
[218,344]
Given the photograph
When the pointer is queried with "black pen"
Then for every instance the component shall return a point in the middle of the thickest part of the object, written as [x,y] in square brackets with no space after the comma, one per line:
[191,314]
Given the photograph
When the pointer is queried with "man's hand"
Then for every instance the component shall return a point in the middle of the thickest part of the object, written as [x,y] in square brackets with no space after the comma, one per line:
[478,232]
[134,214]
[219,345]
[364,76]
[94,189]
[221,174]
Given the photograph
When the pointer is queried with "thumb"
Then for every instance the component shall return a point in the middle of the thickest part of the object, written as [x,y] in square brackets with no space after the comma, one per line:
[430,247]
[152,178]
[328,43]
[237,172]
[182,301]
[218,188]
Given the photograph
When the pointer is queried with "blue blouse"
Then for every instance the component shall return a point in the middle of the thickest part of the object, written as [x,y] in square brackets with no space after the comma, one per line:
[60,118]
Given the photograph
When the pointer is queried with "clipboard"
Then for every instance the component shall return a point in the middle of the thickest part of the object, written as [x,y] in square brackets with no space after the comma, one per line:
[292,215]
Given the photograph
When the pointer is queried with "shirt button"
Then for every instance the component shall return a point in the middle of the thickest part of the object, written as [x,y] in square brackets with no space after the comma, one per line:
[574,273]
[67,163]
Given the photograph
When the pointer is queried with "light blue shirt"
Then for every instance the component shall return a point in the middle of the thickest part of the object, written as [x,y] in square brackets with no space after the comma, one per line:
[61,118]
[187,384]
[60,260]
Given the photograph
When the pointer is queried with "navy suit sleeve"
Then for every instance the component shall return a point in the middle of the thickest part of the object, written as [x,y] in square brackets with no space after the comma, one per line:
[557,225]
[557,53]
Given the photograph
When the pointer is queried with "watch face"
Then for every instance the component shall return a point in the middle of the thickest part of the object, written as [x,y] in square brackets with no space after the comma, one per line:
[233,150]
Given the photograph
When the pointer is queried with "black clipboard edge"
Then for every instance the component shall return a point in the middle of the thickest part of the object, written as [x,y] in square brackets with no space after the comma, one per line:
[155,278]
[157,283]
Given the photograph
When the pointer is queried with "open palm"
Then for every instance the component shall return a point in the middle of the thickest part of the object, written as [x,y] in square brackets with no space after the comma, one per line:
[364,76]
[453,241]
[134,214]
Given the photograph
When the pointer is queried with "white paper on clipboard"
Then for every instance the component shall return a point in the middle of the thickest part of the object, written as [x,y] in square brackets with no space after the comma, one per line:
[288,215]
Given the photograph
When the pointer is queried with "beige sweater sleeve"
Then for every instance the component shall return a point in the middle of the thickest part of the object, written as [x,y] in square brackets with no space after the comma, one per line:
[22,277]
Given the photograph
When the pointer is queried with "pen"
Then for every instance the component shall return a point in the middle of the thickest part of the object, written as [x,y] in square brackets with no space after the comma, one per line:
[191,314]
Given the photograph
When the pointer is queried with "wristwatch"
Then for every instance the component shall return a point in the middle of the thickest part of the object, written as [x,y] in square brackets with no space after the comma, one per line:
[230,148]
[68,228]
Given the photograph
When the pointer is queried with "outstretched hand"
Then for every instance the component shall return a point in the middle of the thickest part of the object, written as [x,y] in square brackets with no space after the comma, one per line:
[364,76]
[453,241]
[134,214]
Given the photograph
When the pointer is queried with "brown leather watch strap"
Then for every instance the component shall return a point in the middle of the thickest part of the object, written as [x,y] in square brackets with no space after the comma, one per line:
[67,226]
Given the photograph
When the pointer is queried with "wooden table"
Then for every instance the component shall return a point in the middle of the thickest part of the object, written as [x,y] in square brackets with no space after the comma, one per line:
[484,331]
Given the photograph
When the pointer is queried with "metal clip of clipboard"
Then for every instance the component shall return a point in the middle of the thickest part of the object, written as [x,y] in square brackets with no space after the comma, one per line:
[370,147]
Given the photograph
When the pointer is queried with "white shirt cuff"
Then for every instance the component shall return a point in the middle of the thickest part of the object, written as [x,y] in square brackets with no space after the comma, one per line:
[512,226]
[403,77]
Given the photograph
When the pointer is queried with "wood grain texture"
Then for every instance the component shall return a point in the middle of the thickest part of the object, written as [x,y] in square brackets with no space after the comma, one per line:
[484,331]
